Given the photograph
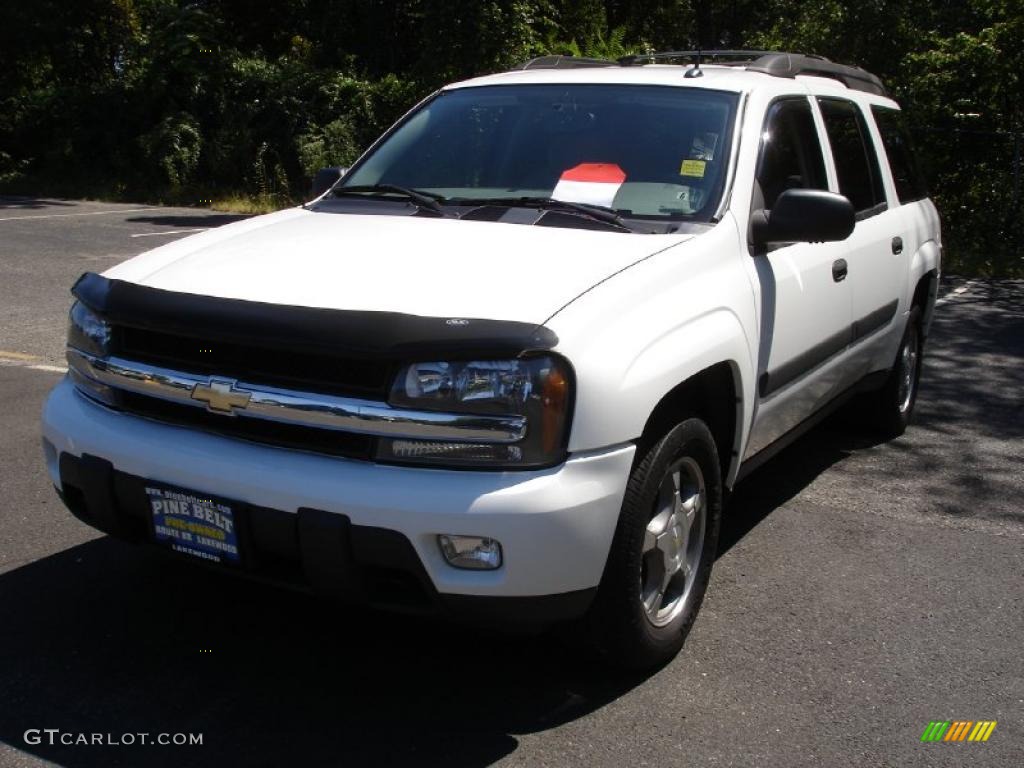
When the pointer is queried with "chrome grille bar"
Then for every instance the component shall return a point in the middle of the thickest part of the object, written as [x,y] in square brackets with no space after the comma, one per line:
[302,408]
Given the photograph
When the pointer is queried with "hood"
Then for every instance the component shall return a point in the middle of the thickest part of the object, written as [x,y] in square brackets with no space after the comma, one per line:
[421,266]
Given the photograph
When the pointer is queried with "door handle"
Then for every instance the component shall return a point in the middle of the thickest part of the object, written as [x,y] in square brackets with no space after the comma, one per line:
[839,270]
[897,246]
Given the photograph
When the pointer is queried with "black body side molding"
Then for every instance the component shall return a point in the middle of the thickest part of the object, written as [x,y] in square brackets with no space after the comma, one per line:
[772,381]
[804,363]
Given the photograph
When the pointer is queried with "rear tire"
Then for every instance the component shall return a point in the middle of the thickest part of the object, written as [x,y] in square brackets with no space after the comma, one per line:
[892,406]
[664,546]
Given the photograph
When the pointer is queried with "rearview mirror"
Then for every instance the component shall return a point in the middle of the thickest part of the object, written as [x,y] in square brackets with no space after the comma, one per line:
[326,178]
[803,216]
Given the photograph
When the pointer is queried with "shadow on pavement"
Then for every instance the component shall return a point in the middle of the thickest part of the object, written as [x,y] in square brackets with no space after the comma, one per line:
[16,203]
[974,373]
[787,474]
[185,220]
[971,406]
[109,639]
[112,639]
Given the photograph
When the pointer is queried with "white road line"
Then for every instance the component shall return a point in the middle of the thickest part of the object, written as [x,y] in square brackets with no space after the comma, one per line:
[33,366]
[25,360]
[65,215]
[20,356]
[958,292]
[172,232]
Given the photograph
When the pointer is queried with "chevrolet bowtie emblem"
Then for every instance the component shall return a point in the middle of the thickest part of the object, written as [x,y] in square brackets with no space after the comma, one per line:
[221,396]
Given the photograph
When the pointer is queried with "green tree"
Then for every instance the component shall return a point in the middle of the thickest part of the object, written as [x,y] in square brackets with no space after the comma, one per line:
[173,98]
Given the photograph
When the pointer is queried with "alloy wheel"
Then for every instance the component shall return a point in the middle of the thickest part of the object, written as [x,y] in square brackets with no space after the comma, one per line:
[673,542]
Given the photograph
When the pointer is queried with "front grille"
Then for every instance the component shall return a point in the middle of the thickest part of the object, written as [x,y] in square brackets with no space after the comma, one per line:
[289,369]
[328,441]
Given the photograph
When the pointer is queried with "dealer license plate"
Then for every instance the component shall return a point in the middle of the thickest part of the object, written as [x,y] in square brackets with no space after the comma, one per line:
[193,523]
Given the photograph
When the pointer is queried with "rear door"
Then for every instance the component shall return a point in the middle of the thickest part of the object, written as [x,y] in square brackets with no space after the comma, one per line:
[877,252]
[909,190]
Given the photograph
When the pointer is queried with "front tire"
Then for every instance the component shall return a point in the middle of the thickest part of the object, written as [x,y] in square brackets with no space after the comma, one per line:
[664,546]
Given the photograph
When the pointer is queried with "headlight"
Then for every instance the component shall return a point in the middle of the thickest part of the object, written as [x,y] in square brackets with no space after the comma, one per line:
[88,331]
[538,388]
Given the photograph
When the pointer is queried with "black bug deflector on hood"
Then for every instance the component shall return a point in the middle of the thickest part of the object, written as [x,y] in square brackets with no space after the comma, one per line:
[367,334]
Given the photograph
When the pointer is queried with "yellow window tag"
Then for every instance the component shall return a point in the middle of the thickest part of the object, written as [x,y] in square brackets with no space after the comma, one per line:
[692,168]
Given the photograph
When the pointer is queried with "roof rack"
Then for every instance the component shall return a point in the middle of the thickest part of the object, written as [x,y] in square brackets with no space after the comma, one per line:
[566,62]
[775,63]
[713,56]
[793,64]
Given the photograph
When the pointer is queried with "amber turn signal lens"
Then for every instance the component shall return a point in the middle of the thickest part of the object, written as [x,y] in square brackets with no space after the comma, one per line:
[554,396]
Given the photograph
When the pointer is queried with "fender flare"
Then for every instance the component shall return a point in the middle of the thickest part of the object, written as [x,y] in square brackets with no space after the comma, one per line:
[710,339]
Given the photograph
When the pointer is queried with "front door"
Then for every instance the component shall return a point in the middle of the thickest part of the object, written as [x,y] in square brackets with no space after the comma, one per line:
[805,300]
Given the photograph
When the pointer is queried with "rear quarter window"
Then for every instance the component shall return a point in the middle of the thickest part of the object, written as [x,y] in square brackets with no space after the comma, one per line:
[906,173]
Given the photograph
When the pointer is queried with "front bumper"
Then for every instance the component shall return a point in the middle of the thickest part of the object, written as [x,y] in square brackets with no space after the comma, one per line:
[337,524]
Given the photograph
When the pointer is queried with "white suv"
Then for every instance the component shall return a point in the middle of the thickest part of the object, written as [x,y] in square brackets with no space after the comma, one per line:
[508,365]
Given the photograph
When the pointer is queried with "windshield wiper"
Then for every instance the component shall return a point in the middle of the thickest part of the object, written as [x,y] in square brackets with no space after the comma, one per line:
[427,200]
[598,212]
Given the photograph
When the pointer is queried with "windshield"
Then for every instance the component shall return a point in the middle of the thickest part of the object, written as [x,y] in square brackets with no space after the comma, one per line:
[646,151]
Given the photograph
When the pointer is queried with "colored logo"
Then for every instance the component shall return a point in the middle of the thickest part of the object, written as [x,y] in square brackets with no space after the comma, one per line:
[958,730]
[221,396]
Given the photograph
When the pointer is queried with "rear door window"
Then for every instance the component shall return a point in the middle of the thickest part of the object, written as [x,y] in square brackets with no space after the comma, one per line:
[860,179]
[906,172]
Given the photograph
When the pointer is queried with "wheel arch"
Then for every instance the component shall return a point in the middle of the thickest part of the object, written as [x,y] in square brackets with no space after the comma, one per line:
[924,276]
[715,395]
[925,293]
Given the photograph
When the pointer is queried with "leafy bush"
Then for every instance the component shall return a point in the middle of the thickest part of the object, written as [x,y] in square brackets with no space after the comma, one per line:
[334,144]
[172,149]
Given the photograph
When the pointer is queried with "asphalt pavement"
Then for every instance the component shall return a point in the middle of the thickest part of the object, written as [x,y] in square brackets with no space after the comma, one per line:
[862,590]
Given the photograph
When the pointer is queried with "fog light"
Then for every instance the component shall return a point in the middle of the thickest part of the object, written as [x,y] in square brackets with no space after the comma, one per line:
[472,552]
[445,452]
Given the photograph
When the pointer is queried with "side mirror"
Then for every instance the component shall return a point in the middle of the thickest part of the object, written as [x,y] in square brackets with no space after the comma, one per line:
[325,179]
[803,216]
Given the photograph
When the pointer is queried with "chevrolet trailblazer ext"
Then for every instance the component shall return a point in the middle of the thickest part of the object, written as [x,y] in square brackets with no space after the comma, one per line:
[507,365]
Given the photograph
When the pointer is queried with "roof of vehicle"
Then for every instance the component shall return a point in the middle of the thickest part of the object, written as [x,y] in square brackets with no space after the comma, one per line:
[749,70]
